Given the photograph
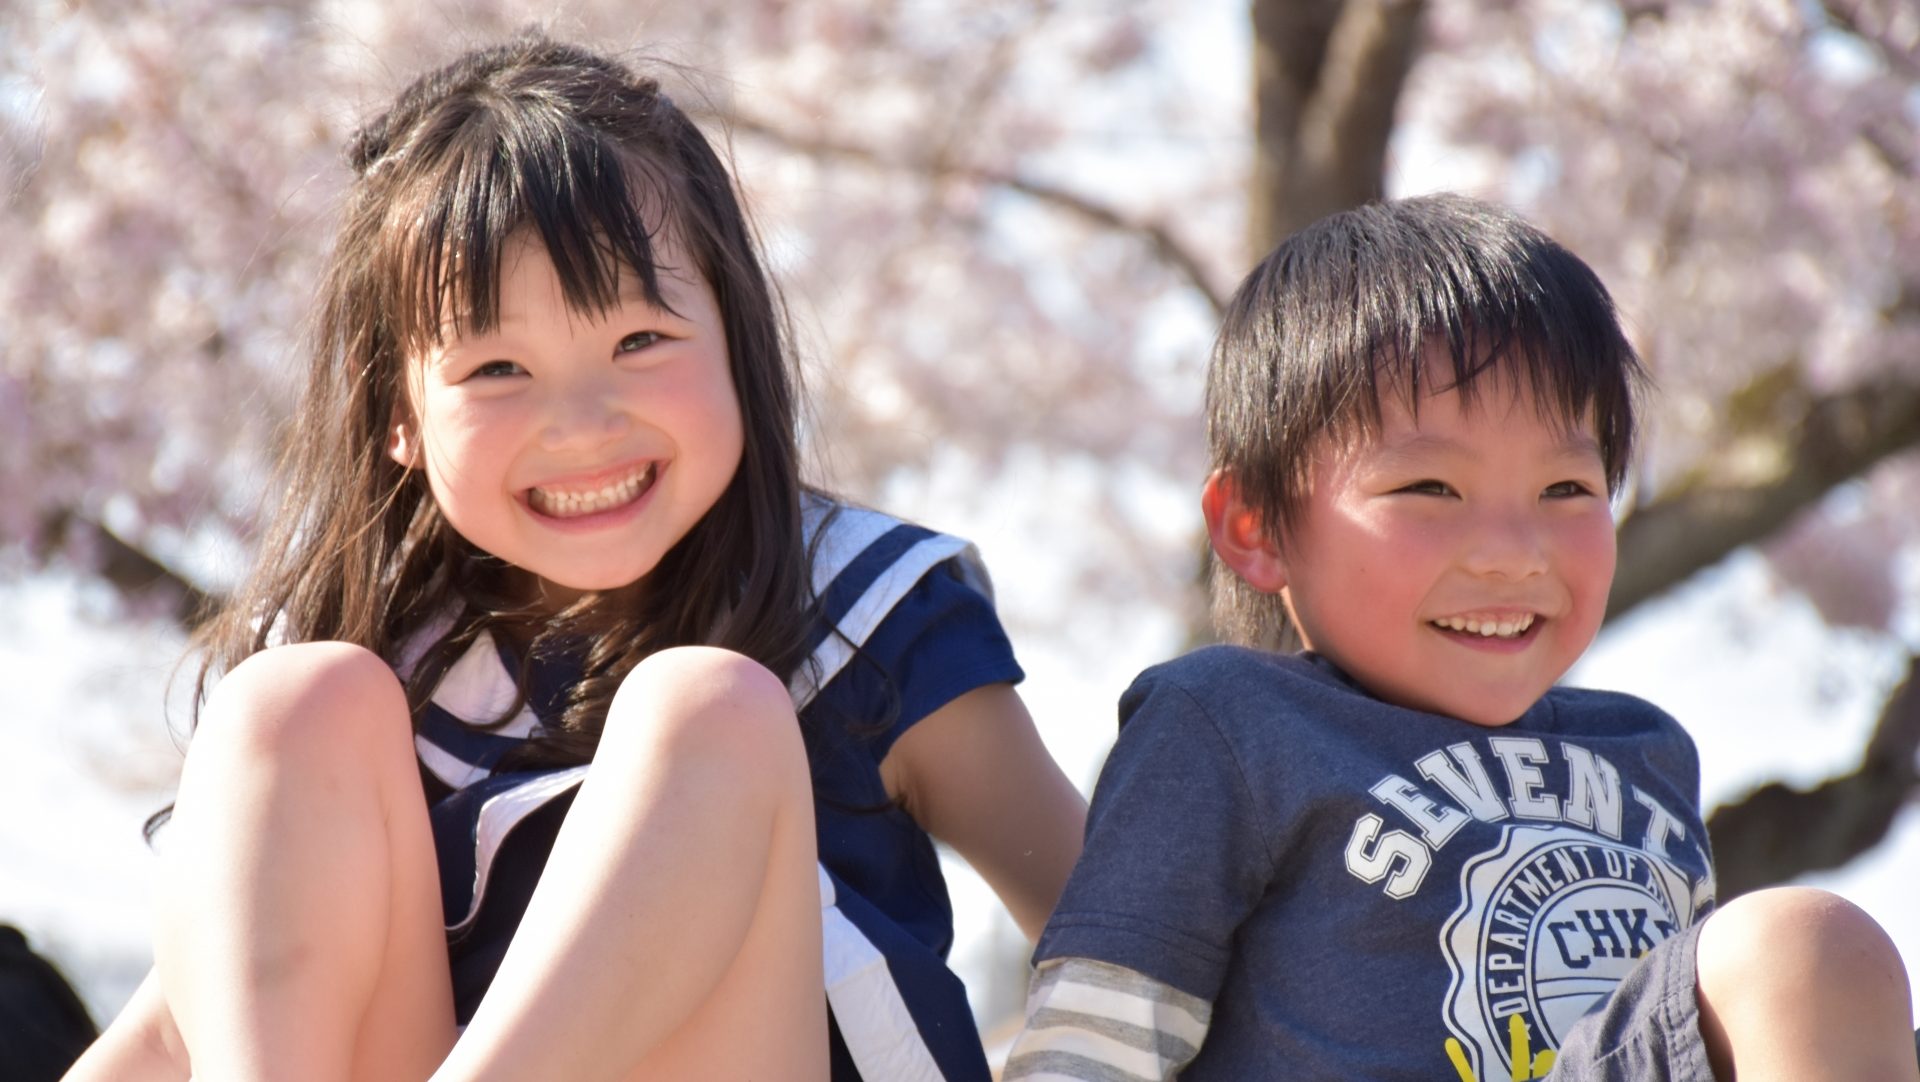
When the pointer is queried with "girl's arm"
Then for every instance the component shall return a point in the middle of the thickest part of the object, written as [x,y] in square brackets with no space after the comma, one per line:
[140,1045]
[975,775]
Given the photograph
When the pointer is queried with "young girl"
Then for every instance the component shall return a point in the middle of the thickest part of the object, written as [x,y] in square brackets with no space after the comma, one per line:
[596,744]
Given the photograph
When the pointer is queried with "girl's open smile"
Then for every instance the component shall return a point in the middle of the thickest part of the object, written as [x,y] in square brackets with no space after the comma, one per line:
[574,500]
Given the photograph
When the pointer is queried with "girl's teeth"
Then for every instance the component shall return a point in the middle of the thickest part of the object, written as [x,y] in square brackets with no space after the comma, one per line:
[592,502]
[1505,629]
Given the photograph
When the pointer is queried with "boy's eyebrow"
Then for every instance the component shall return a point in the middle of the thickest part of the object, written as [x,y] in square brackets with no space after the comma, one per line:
[1575,444]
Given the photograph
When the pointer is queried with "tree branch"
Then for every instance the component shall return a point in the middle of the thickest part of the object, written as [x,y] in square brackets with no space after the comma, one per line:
[1168,247]
[1845,16]
[1840,437]
[134,574]
[1777,832]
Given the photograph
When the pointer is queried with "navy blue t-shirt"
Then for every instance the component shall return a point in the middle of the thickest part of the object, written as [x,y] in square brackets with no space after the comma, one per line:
[1367,891]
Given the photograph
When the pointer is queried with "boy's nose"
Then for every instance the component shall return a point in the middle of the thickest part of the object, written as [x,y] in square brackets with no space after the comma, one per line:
[1507,546]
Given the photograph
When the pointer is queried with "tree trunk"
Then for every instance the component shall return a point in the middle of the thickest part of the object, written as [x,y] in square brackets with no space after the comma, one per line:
[1327,78]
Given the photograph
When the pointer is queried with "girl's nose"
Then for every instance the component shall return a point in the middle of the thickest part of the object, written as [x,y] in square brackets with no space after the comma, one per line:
[584,418]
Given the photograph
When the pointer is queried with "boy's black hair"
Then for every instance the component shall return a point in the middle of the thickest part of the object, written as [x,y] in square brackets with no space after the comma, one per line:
[1343,310]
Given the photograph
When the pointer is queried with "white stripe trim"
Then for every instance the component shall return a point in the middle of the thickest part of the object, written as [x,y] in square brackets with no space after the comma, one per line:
[852,530]
[879,1031]
[477,689]
[448,767]
[866,614]
[499,815]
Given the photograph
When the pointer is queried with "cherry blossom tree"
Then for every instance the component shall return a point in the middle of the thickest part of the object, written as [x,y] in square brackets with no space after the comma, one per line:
[1005,231]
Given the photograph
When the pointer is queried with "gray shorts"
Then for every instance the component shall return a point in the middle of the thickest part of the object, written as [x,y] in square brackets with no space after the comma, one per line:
[1648,1030]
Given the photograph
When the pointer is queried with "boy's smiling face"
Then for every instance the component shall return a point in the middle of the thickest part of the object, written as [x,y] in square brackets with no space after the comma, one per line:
[1457,562]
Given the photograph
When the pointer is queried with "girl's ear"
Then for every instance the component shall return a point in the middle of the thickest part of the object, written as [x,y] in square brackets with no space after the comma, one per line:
[1237,536]
[403,442]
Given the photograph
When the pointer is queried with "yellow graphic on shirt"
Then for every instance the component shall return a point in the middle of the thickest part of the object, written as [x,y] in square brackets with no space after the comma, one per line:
[1526,1065]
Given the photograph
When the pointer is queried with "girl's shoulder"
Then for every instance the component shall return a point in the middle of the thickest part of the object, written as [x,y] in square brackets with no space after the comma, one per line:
[893,591]
[848,544]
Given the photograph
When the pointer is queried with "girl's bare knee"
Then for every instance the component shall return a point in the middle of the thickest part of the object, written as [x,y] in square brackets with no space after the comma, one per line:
[706,698]
[305,698]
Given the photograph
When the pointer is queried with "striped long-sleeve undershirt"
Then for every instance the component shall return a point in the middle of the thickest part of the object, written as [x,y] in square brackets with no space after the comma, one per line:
[1100,1022]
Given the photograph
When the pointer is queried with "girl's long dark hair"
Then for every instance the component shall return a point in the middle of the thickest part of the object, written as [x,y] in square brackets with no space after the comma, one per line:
[546,140]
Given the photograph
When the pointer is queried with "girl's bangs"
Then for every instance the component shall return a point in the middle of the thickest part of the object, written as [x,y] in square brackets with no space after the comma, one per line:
[495,183]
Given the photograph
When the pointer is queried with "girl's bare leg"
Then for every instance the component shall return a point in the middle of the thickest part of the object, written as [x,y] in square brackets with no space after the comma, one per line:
[140,1045]
[1800,984]
[675,932]
[300,927]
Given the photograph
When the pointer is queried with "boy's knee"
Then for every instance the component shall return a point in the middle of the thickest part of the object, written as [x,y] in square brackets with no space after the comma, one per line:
[303,697]
[1798,939]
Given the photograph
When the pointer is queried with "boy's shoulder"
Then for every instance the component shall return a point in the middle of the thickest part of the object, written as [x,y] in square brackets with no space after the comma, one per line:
[1209,670]
[1617,712]
[1229,683]
[1240,690]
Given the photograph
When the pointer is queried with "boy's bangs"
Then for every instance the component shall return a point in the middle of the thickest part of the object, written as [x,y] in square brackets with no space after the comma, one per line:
[501,178]
[1540,323]
[1572,385]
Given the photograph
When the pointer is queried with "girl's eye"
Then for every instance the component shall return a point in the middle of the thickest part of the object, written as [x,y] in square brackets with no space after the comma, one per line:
[1428,488]
[1566,490]
[638,340]
[497,369]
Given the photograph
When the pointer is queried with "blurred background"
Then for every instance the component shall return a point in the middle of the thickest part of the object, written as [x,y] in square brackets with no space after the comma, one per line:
[1005,231]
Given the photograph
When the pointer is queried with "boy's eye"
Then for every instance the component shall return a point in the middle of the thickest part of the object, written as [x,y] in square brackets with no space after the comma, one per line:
[1428,488]
[638,340]
[1565,490]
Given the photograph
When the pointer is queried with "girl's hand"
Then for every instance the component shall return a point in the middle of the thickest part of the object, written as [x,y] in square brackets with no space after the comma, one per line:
[975,775]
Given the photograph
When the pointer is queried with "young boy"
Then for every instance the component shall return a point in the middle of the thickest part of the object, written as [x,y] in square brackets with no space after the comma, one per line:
[1403,853]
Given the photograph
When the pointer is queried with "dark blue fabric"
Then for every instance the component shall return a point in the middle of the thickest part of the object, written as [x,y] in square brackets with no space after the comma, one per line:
[464,742]
[860,573]
[475,951]
[941,640]
[1356,887]
[939,1000]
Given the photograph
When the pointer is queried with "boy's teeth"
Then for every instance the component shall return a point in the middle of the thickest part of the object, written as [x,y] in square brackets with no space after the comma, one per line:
[1505,629]
[562,504]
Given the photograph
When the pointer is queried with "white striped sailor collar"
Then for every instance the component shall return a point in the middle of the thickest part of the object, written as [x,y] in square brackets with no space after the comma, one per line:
[459,738]
[479,687]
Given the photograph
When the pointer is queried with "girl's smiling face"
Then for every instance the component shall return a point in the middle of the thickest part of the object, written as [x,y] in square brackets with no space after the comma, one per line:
[577,446]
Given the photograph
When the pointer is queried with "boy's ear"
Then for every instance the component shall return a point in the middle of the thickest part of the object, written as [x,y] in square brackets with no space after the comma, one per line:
[403,442]
[1238,537]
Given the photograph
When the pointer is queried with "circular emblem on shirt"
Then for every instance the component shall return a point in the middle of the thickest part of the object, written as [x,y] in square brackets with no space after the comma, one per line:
[1549,922]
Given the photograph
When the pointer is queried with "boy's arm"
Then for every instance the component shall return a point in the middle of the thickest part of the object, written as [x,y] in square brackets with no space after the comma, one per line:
[1098,1021]
[1177,858]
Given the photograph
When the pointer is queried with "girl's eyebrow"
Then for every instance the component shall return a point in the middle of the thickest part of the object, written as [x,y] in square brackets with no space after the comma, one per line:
[672,283]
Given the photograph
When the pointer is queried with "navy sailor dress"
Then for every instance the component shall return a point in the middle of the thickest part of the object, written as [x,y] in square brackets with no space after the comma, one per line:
[918,607]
